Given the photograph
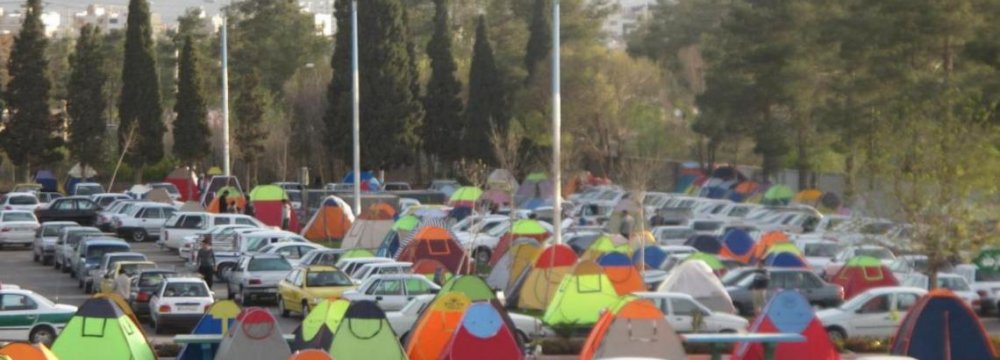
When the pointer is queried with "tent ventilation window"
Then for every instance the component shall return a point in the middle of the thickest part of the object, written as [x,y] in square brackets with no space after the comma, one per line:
[94,327]
[365,329]
[438,247]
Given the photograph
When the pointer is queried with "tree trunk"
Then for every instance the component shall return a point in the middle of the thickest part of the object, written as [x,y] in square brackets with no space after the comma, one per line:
[137,174]
[803,158]
[420,169]
[849,189]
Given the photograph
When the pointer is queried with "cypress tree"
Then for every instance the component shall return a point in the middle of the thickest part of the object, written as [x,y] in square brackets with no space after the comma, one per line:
[487,106]
[442,123]
[139,105]
[250,108]
[539,37]
[191,133]
[31,135]
[86,103]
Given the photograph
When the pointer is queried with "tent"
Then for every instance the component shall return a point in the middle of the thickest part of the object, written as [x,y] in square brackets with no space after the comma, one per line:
[400,230]
[435,242]
[695,278]
[710,260]
[22,351]
[311,354]
[766,241]
[784,259]
[705,243]
[788,311]
[482,334]
[465,196]
[434,328]
[778,195]
[78,174]
[808,196]
[370,228]
[256,335]
[624,276]
[581,297]
[941,326]
[534,191]
[185,182]
[234,196]
[607,243]
[737,245]
[517,259]
[217,321]
[368,180]
[101,330]
[357,253]
[159,196]
[47,180]
[364,332]
[330,222]
[317,329]
[501,179]
[535,288]
[267,203]
[524,228]
[634,329]
[431,269]
[651,256]
[861,273]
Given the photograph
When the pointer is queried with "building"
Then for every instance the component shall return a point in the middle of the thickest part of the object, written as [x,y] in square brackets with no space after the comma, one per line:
[626,18]
[11,18]
[107,18]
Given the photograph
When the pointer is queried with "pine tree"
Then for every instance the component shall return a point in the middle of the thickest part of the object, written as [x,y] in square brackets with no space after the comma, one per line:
[442,121]
[30,137]
[191,133]
[86,102]
[139,106]
[539,38]
[251,106]
[487,106]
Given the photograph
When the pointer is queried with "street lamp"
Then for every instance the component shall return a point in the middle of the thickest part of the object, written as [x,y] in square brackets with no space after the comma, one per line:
[556,129]
[356,104]
[224,40]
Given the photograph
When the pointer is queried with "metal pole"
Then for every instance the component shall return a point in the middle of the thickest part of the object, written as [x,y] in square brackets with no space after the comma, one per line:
[356,102]
[225,96]
[556,130]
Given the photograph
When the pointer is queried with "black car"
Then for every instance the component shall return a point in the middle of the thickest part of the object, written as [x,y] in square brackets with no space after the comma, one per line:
[144,284]
[80,209]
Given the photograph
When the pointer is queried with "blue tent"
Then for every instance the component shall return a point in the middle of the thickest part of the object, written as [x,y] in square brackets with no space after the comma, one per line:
[389,246]
[211,324]
[784,260]
[941,326]
[367,177]
[48,180]
[705,243]
[614,259]
[654,256]
[737,241]
[460,213]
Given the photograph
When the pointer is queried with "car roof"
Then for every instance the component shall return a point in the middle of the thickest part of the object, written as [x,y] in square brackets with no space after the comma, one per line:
[368,259]
[893,289]
[70,223]
[156,270]
[317,268]
[388,264]
[104,241]
[396,276]
[20,193]
[79,228]
[184,279]
[266,256]
[75,197]
[124,253]
[270,232]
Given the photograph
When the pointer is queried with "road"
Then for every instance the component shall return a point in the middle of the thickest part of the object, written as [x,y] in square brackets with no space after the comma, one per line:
[17,268]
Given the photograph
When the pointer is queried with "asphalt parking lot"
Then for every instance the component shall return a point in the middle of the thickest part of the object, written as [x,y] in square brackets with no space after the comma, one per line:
[17,268]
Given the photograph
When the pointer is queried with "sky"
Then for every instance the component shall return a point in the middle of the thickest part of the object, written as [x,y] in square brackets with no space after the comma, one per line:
[168,10]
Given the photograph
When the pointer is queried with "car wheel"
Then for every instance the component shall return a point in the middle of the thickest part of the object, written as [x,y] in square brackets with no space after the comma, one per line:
[223,271]
[244,298]
[46,261]
[42,334]
[230,294]
[482,255]
[34,255]
[524,337]
[305,309]
[139,235]
[281,307]
[79,284]
[837,335]
[157,327]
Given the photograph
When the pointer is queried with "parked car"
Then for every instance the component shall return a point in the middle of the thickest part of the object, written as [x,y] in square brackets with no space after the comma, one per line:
[143,221]
[349,266]
[19,201]
[849,252]
[396,186]
[291,251]
[672,235]
[86,189]
[955,283]
[179,303]
[106,199]
[183,224]
[256,277]
[79,209]
[305,287]
[91,280]
[818,292]
[368,270]
[402,321]
[43,248]
[874,313]
[131,268]
[171,189]
[986,284]
[243,240]
[17,227]
[90,252]
[681,309]
[818,252]
[144,283]
[105,216]
[326,257]
[445,186]
[44,198]
[28,316]
[392,292]
[69,238]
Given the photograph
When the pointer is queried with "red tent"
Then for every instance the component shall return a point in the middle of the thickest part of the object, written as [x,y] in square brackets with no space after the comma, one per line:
[861,273]
[525,228]
[483,334]
[789,312]
[185,182]
[268,201]
[435,242]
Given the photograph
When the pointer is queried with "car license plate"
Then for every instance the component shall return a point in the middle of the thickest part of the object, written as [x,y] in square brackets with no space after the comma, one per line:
[187,307]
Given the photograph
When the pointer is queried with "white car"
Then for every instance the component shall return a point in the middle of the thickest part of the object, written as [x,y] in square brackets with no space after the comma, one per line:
[19,201]
[17,227]
[44,247]
[392,292]
[221,233]
[953,282]
[708,227]
[679,310]
[142,221]
[818,252]
[291,251]
[28,316]
[402,321]
[372,269]
[183,224]
[483,243]
[179,303]
[349,266]
[672,235]
[874,313]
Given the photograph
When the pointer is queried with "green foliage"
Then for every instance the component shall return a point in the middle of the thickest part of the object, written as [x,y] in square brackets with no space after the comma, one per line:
[250,109]
[191,133]
[30,136]
[487,105]
[139,106]
[540,39]
[443,107]
[87,102]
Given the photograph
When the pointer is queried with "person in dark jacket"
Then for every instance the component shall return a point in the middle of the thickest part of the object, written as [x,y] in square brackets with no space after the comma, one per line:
[206,262]
[224,202]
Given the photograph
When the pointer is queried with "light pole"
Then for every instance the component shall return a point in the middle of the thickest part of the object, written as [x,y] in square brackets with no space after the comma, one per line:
[356,104]
[224,40]
[556,130]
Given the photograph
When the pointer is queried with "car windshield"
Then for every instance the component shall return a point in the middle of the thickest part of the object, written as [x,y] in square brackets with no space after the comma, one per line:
[876,228]
[987,275]
[707,225]
[878,253]
[98,251]
[294,196]
[327,278]
[23,200]
[676,233]
[88,189]
[153,279]
[123,258]
[18,216]
[953,283]
[53,230]
[131,269]
[734,276]
[856,301]
[185,289]
[821,250]
[76,236]
[269,264]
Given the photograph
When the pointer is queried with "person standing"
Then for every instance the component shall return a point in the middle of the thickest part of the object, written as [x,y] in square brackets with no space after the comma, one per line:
[286,214]
[123,284]
[224,202]
[759,287]
[628,223]
[206,262]
[658,219]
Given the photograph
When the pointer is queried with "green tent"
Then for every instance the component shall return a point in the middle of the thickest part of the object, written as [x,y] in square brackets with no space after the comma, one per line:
[582,296]
[465,194]
[472,286]
[528,227]
[605,244]
[357,253]
[712,261]
[536,177]
[406,223]
[100,330]
[319,327]
[778,195]
[783,248]
[268,193]
[365,333]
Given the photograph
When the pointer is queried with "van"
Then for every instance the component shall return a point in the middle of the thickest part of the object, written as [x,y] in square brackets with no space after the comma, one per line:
[185,223]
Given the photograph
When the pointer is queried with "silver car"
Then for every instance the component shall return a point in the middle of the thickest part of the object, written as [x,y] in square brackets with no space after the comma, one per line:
[69,238]
[44,247]
[256,277]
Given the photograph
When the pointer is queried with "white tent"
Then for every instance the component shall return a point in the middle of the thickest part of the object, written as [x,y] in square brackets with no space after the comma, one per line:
[696,278]
[255,336]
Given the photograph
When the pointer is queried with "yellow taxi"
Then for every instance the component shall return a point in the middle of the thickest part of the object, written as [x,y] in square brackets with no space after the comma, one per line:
[307,286]
[131,268]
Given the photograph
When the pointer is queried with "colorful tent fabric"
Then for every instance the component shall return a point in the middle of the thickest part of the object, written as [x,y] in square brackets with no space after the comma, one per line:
[482,334]
[581,297]
[778,195]
[534,191]
[364,330]
[217,321]
[431,269]
[652,256]
[268,201]
[400,230]
[431,333]
[22,351]
[705,243]
[634,329]
[256,335]
[808,196]
[524,228]
[861,273]
[318,328]
[330,221]
[311,354]
[47,180]
[767,240]
[941,326]
[708,259]
[784,259]
[623,275]
[536,289]
[369,229]
[186,183]
[357,253]
[789,312]
[607,243]
[234,198]
[513,263]
[435,242]
[695,278]
[100,330]
[737,245]
[465,196]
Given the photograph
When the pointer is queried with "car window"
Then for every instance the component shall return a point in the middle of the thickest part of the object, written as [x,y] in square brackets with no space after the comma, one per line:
[905,301]
[417,287]
[683,307]
[878,304]
[327,259]
[185,289]
[85,204]
[98,251]
[245,221]
[810,282]
[152,279]
[63,205]
[22,200]
[820,250]
[191,222]
[52,230]
[151,213]
[327,278]
[18,216]
[289,252]
[388,287]
[269,264]
[221,221]
[16,302]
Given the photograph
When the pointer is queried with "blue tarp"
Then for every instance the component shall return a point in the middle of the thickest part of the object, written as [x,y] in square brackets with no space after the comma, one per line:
[48,181]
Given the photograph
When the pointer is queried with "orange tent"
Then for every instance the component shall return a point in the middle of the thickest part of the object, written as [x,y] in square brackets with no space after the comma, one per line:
[623,274]
[234,198]
[429,338]
[767,240]
[633,328]
[331,221]
[311,354]
[22,351]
